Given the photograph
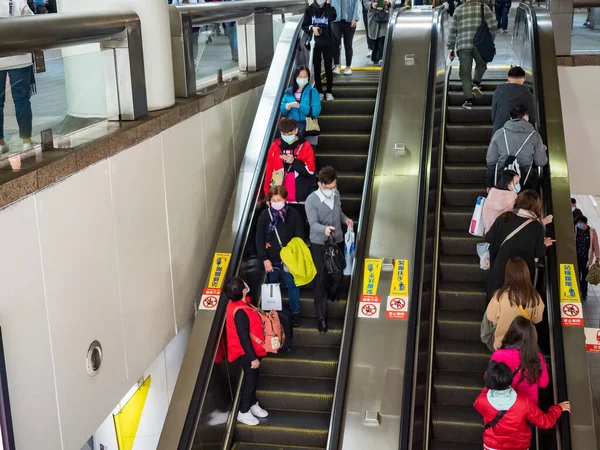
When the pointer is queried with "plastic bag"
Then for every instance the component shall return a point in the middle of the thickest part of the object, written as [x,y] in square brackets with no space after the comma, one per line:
[483,250]
[349,250]
[476,227]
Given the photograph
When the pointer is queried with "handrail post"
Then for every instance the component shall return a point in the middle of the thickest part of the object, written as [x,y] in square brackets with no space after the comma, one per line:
[255,42]
[184,70]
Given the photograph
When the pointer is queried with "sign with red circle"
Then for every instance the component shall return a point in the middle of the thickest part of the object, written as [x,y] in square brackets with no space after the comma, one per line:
[397,307]
[368,310]
[571,315]
[210,299]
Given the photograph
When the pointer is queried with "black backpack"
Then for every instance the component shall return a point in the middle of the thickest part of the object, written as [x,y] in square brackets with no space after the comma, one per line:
[484,41]
[334,258]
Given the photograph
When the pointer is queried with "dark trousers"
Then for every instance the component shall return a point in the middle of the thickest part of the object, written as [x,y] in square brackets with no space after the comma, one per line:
[326,285]
[248,391]
[366,22]
[377,53]
[20,86]
[466,57]
[502,10]
[342,31]
[326,50]
[583,272]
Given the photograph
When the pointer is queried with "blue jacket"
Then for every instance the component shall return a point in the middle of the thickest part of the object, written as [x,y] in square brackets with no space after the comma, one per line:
[346,10]
[305,103]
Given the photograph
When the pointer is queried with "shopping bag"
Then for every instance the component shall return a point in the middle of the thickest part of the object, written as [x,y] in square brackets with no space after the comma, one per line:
[271,297]
[593,276]
[483,250]
[349,250]
[477,227]
[487,332]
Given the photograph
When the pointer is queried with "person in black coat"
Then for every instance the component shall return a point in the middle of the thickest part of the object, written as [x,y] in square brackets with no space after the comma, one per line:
[528,243]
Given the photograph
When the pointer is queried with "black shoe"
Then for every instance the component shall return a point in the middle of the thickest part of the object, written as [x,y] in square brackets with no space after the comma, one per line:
[295,320]
[584,296]
[322,326]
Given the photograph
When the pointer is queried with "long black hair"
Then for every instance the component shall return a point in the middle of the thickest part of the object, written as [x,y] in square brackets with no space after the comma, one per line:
[522,336]
[506,178]
[296,73]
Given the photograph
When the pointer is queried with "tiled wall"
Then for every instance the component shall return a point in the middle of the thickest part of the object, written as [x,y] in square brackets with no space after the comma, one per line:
[115,253]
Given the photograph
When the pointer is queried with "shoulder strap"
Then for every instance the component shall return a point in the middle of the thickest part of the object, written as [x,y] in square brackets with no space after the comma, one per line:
[506,141]
[525,142]
[310,114]
[252,335]
[495,420]
[523,225]
[275,228]
[482,14]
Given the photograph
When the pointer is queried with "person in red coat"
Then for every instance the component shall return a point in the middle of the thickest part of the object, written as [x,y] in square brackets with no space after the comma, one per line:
[242,323]
[291,163]
[507,415]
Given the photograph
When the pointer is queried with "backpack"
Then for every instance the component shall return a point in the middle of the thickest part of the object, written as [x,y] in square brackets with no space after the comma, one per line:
[334,259]
[511,162]
[273,336]
[483,40]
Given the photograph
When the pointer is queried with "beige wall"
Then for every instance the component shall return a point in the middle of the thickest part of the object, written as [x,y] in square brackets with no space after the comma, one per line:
[115,253]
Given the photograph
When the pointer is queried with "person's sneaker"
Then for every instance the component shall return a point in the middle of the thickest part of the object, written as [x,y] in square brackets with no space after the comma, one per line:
[348,71]
[28,146]
[247,419]
[468,105]
[476,91]
[336,69]
[321,96]
[257,411]
[329,97]
[4,148]
[296,320]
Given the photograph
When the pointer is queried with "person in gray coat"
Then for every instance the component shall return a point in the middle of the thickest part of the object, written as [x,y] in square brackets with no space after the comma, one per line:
[325,216]
[377,25]
[515,144]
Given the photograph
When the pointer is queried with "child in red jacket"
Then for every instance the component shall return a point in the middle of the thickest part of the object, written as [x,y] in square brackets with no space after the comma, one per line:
[506,414]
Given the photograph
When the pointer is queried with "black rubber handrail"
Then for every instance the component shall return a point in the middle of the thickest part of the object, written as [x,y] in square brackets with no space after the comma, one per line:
[206,366]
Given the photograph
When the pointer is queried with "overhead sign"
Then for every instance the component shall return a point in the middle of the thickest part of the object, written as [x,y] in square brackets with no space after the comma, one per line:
[210,299]
[371,275]
[368,310]
[569,292]
[397,307]
[592,340]
[571,314]
[400,278]
[217,272]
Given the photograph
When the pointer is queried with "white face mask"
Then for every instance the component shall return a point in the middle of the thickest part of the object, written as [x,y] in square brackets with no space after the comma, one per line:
[302,81]
[321,2]
[327,192]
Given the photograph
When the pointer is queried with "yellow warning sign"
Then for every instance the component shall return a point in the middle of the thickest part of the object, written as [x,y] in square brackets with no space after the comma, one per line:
[217,272]
[400,278]
[127,420]
[569,291]
[371,278]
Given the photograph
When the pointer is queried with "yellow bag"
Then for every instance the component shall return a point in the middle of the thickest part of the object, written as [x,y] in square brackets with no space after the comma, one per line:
[296,256]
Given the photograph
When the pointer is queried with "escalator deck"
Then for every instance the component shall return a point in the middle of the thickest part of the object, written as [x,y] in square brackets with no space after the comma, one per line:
[297,388]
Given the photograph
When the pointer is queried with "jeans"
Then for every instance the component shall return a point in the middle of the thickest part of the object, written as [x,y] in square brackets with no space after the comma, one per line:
[342,30]
[20,86]
[288,279]
[502,10]
[248,391]
[466,58]
[583,272]
[325,50]
[232,35]
[326,285]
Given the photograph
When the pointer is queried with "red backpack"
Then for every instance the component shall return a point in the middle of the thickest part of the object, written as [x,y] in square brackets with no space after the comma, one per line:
[273,336]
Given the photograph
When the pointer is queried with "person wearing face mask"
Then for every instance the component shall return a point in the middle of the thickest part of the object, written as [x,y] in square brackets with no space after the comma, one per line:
[325,216]
[586,244]
[291,163]
[377,26]
[301,100]
[318,18]
[517,140]
[501,198]
[575,210]
[280,219]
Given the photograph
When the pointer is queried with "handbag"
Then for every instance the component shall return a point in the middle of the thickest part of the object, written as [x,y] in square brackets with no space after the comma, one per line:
[487,332]
[483,41]
[382,16]
[593,276]
[334,260]
[277,177]
[271,297]
[312,123]
[477,227]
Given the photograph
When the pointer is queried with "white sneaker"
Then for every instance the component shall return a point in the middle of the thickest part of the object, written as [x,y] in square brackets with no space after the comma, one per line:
[257,411]
[247,419]
[329,97]
[27,146]
[476,91]
[348,71]
[336,69]
[321,96]
[4,148]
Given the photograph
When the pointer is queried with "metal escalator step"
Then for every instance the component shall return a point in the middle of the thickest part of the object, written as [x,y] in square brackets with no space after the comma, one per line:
[456,217]
[342,160]
[479,114]
[468,133]
[457,355]
[462,194]
[343,122]
[296,394]
[445,445]
[351,204]
[459,325]
[456,424]
[462,268]
[465,153]
[317,362]
[459,243]
[296,428]
[308,335]
[347,141]
[487,85]
[456,98]
[251,446]
[335,310]
[457,388]
[366,78]
[361,91]
[349,106]
[350,183]
[462,296]
[464,173]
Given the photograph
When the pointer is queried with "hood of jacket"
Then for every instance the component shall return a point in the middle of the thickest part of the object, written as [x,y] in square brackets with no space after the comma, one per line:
[519,126]
[502,400]
[500,200]
[512,92]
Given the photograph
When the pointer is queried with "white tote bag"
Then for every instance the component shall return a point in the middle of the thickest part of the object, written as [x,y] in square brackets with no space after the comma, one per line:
[476,228]
[271,297]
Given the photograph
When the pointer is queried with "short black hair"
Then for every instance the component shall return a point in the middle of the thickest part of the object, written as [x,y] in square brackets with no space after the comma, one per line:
[234,288]
[498,376]
[518,111]
[327,175]
[573,201]
[582,219]
[516,72]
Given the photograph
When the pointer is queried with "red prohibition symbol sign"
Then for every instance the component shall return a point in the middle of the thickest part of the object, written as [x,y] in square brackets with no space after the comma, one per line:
[571,310]
[209,302]
[397,303]
[368,309]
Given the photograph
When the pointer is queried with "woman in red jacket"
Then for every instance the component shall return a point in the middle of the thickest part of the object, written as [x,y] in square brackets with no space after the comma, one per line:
[242,322]
[506,414]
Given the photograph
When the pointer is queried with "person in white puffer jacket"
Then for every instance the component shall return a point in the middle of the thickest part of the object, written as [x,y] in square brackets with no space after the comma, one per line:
[19,70]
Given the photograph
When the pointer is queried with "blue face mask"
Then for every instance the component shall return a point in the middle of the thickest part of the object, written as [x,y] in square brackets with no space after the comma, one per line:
[580,225]
[288,139]
[517,188]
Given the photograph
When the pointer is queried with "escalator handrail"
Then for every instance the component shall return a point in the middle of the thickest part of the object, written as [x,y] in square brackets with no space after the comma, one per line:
[204,373]
[337,413]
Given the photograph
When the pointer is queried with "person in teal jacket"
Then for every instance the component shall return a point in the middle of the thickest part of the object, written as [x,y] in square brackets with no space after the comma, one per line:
[298,99]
